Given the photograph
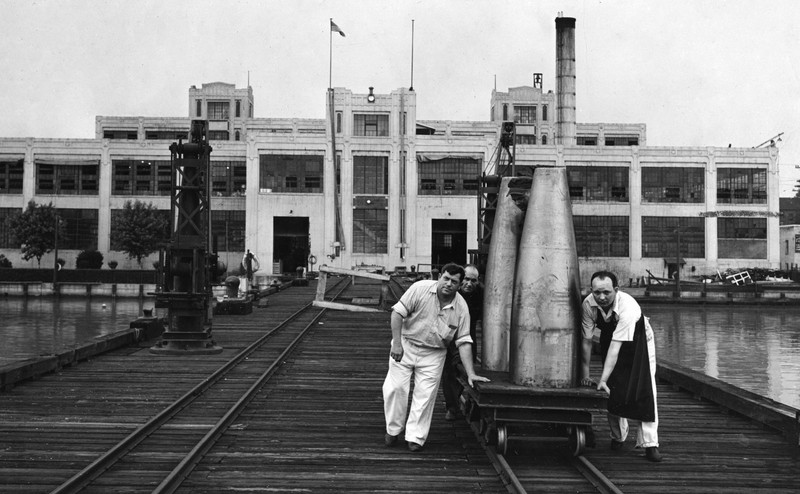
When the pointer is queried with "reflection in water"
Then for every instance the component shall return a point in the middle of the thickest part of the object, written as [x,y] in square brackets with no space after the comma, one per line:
[755,348]
[46,325]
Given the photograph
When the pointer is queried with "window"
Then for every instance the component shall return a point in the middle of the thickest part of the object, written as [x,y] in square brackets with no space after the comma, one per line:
[598,183]
[601,236]
[250,111]
[218,135]
[622,141]
[11,174]
[673,184]
[141,177]
[199,106]
[228,228]
[166,134]
[370,124]
[218,110]
[338,122]
[544,113]
[238,108]
[524,114]
[587,141]
[544,139]
[130,135]
[80,229]
[370,231]
[505,112]
[7,240]
[741,186]
[370,175]
[742,238]
[290,173]
[659,236]
[526,138]
[228,178]
[66,179]
[448,176]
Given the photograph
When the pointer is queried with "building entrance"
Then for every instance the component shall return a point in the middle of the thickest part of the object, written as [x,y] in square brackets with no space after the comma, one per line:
[449,242]
[290,244]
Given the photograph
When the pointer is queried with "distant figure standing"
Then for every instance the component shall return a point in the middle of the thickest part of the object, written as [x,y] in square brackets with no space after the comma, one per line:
[472,292]
[251,264]
[428,316]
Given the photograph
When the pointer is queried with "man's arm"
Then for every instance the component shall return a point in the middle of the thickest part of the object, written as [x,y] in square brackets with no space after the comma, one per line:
[608,366]
[396,351]
[465,350]
[586,357]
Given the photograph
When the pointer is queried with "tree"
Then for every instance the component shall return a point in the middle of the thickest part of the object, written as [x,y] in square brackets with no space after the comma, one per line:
[139,230]
[36,229]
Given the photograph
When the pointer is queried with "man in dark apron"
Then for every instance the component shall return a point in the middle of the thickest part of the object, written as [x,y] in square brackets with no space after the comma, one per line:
[627,349]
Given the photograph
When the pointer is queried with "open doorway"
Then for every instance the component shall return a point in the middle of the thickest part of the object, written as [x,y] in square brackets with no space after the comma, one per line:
[290,244]
[448,242]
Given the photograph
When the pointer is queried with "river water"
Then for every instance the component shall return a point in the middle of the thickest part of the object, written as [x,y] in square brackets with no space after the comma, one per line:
[754,347]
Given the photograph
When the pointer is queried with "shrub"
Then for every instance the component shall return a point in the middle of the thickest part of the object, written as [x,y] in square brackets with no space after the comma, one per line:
[4,262]
[112,264]
[61,262]
[89,259]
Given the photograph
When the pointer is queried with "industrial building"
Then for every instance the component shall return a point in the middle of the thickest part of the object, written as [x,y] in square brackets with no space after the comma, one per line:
[398,191]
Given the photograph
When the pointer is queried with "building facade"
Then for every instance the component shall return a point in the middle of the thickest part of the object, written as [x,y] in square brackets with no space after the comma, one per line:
[370,184]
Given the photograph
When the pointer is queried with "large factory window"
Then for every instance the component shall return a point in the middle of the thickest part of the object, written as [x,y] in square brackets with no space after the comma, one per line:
[741,186]
[370,124]
[228,178]
[598,183]
[448,175]
[526,138]
[228,228]
[601,236]
[622,140]
[660,233]
[742,238]
[66,179]
[7,240]
[525,114]
[218,110]
[11,173]
[291,173]
[673,184]
[80,229]
[370,175]
[141,177]
[370,230]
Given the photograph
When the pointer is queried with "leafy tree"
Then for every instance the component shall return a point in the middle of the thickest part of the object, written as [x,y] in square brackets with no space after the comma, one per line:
[35,228]
[139,230]
[89,259]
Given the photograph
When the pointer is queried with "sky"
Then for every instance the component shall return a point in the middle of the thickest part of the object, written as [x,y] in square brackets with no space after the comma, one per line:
[708,73]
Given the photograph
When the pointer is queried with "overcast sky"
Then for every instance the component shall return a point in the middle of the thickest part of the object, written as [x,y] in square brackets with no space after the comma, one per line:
[708,73]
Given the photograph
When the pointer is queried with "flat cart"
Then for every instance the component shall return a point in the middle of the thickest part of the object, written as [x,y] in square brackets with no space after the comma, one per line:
[501,405]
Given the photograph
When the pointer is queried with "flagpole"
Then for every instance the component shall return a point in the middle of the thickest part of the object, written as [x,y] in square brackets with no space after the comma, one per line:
[412,56]
[330,57]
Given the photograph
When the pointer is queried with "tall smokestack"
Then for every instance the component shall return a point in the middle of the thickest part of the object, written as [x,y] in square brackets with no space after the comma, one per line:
[565,81]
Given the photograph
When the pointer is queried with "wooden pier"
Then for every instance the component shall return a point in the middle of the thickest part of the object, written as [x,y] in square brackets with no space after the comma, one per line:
[318,425]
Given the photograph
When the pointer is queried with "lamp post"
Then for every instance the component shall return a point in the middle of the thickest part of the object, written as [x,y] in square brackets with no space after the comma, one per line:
[678,262]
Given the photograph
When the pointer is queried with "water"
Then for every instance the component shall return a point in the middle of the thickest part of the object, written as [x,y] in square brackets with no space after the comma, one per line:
[755,348]
[35,326]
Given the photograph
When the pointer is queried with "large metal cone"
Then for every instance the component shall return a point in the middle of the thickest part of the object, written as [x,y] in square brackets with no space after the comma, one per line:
[545,323]
[499,287]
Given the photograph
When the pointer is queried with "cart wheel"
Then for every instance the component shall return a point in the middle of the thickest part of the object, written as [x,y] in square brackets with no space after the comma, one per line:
[577,440]
[502,439]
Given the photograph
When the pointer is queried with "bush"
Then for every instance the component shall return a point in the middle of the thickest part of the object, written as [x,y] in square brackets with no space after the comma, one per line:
[61,262]
[4,262]
[89,259]
[112,264]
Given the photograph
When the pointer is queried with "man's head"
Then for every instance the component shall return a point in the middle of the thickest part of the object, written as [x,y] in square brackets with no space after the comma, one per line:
[604,288]
[471,278]
[450,280]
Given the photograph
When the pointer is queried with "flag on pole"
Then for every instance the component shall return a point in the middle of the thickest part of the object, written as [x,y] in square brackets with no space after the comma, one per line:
[336,29]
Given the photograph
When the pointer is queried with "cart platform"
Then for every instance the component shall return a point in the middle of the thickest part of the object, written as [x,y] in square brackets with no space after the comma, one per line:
[500,404]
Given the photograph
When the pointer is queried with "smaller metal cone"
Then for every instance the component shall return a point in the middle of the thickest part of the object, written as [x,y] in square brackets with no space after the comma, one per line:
[546,311]
[499,286]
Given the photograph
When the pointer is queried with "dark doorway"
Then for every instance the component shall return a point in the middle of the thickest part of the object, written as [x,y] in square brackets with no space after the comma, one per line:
[290,243]
[449,242]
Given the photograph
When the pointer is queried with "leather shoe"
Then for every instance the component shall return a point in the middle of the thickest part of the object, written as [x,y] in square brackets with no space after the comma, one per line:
[451,415]
[414,447]
[389,439]
[652,454]
[616,445]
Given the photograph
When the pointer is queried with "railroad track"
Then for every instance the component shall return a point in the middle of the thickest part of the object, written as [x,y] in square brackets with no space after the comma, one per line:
[182,432]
